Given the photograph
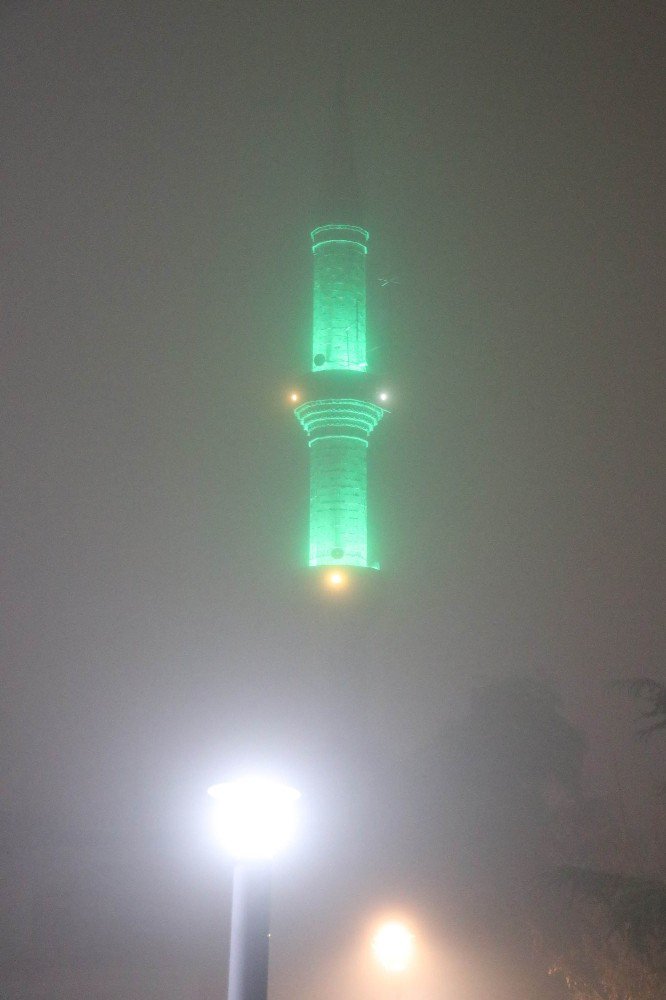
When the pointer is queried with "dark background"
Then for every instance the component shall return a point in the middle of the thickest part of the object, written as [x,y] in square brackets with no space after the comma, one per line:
[160,164]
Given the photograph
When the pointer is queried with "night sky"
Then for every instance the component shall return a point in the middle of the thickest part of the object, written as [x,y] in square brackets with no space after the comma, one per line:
[160,166]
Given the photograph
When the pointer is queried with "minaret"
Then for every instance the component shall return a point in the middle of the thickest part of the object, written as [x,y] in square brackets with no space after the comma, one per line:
[340,405]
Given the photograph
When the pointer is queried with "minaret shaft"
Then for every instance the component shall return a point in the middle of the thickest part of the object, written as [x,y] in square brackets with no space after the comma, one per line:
[338,308]
[339,412]
[338,416]
[338,502]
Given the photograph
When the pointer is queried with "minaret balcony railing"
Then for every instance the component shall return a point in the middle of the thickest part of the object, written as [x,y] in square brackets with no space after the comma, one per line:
[339,418]
[339,233]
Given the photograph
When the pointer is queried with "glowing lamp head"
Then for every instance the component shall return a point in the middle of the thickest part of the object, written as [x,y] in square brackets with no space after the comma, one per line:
[383,397]
[393,945]
[254,818]
[294,397]
[336,579]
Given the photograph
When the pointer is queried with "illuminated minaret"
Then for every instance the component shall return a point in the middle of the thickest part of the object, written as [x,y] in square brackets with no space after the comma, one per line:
[340,405]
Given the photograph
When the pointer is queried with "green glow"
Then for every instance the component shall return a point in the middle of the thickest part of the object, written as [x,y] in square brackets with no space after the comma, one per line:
[338,311]
[357,417]
[326,243]
[322,437]
[338,429]
[338,502]
[337,227]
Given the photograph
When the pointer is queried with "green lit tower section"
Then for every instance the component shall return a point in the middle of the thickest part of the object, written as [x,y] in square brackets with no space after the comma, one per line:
[338,313]
[341,407]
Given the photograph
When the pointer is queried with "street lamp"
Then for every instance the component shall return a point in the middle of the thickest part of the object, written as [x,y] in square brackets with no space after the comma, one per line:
[393,945]
[254,819]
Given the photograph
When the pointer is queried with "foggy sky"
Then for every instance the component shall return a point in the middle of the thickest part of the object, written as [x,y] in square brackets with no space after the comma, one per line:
[160,164]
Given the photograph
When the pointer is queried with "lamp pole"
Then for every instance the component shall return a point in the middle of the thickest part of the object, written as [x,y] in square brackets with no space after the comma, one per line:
[250,919]
[254,818]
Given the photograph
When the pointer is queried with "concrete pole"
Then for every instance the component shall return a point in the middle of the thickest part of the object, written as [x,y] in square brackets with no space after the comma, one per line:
[250,914]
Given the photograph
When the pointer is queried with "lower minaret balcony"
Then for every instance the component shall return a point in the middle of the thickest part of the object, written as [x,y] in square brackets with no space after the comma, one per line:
[351,417]
[338,432]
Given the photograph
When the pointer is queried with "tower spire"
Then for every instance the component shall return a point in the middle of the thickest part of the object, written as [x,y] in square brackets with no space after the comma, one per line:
[339,199]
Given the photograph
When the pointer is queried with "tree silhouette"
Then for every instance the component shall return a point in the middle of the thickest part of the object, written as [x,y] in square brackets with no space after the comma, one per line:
[653,696]
[605,930]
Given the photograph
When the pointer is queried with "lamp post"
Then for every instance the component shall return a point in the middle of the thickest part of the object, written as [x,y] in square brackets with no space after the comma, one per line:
[254,820]
[393,946]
